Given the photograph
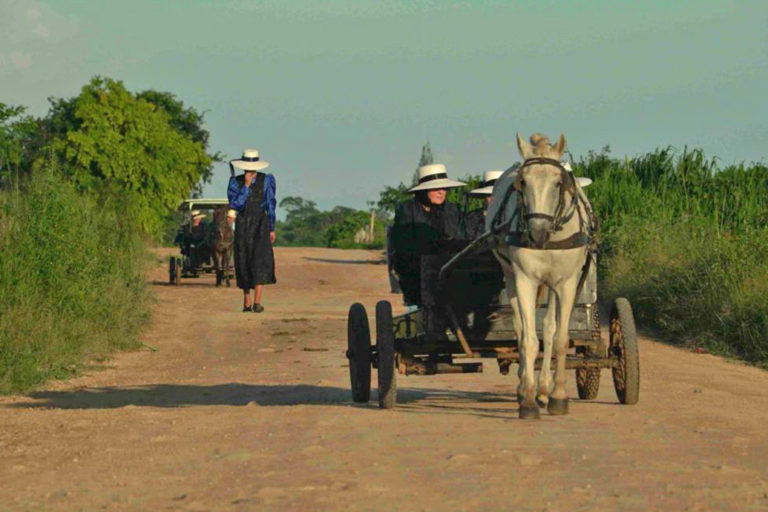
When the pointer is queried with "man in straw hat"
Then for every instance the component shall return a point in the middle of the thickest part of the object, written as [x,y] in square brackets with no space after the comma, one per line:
[421,224]
[252,195]
[192,238]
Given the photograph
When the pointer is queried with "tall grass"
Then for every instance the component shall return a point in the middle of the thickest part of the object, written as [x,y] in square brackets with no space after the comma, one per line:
[70,280]
[687,242]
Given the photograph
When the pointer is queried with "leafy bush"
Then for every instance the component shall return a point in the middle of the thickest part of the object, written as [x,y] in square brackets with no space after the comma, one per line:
[687,243]
[71,288]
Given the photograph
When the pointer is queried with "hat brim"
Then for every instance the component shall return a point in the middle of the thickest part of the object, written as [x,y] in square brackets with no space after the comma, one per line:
[250,166]
[482,191]
[436,184]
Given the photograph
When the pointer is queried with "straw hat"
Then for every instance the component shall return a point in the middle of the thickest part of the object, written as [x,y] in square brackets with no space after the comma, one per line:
[434,176]
[486,188]
[231,213]
[581,180]
[199,215]
[194,213]
[250,161]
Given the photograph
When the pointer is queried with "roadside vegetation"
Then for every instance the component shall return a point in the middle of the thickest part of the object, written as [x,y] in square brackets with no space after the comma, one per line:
[83,190]
[686,240]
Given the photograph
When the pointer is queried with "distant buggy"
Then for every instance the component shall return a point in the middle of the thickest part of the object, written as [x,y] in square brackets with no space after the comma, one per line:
[193,259]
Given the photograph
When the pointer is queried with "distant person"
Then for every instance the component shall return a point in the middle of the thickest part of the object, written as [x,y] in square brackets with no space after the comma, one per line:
[252,196]
[421,225]
[191,236]
[198,240]
[474,221]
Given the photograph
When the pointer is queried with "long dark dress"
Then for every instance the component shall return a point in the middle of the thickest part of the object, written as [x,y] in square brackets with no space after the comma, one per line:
[254,259]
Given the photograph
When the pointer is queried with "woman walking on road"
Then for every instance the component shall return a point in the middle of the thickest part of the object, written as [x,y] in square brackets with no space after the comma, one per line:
[252,195]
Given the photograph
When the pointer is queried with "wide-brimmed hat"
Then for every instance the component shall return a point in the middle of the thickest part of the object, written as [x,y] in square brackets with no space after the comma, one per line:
[434,176]
[199,215]
[250,161]
[581,180]
[486,188]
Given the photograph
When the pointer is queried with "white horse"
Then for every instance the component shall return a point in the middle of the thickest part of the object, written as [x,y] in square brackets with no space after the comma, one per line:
[546,245]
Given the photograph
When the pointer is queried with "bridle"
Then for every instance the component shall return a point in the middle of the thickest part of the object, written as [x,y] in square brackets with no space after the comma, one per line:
[564,209]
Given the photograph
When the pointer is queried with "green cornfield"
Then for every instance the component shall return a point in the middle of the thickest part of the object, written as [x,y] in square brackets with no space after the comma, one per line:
[685,239]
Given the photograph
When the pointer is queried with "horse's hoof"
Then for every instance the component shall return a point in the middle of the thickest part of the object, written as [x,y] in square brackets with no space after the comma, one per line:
[529,412]
[557,406]
[542,400]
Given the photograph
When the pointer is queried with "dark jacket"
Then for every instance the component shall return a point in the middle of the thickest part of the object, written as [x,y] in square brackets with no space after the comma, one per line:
[417,232]
[474,223]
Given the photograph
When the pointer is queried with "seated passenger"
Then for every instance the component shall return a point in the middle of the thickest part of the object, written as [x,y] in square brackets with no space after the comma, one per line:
[474,221]
[423,225]
[193,239]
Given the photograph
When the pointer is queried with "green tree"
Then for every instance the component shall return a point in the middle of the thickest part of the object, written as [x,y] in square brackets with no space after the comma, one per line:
[19,141]
[187,120]
[390,197]
[108,139]
[427,158]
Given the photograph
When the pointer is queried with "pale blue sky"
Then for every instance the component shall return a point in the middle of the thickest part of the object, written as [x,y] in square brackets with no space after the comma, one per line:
[340,95]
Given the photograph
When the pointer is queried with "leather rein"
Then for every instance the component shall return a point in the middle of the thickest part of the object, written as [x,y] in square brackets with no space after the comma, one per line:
[564,211]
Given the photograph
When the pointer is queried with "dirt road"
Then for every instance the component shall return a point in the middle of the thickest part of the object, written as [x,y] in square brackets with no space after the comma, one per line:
[236,411]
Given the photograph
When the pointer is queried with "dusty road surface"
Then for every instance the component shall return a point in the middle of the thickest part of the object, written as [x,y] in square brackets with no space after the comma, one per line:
[239,412]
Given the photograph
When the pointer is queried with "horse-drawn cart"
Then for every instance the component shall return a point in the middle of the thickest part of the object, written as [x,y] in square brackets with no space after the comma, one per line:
[200,256]
[466,316]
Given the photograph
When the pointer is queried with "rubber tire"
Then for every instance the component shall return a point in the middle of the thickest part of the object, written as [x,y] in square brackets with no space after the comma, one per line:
[177,275]
[172,270]
[385,346]
[626,378]
[588,380]
[359,353]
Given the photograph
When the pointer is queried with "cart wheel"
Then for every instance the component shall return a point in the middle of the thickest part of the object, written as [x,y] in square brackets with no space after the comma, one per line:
[172,270]
[177,273]
[385,345]
[359,353]
[626,375]
[588,379]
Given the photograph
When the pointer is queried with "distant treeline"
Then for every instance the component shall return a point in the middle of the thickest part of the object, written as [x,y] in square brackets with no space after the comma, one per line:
[81,191]
[347,228]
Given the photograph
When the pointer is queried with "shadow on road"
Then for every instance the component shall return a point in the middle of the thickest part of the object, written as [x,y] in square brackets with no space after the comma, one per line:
[172,395]
[348,262]
[207,284]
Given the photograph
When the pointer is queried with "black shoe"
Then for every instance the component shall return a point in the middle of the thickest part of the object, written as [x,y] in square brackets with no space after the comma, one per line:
[247,309]
[258,308]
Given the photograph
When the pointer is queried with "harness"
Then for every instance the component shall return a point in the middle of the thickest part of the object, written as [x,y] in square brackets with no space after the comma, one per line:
[564,212]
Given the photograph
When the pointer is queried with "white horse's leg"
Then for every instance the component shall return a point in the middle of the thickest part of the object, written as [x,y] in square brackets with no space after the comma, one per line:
[548,336]
[529,345]
[558,400]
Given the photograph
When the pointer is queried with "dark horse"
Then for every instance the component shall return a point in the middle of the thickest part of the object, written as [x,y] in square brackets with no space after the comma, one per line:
[223,238]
